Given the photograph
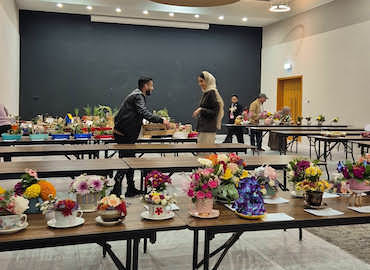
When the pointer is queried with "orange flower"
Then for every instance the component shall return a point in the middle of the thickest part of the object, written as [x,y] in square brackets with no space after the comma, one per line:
[46,189]
[213,158]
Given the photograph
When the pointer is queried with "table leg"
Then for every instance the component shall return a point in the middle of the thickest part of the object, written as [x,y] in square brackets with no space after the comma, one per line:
[309,141]
[325,150]
[300,234]
[135,259]
[145,248]
[128,254]
[207,241]
[285,181]
[195,249]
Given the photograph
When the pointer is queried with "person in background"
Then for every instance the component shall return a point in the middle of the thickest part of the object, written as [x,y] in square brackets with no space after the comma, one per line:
[127,126]
[210,111]
[255,110]
[4,120]
[285,118]
[235,110]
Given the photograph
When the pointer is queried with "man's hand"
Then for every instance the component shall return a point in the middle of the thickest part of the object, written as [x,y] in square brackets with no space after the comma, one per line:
[196,112]
[167,123]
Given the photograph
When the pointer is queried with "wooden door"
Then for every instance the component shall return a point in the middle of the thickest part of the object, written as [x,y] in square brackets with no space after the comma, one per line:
[289,93]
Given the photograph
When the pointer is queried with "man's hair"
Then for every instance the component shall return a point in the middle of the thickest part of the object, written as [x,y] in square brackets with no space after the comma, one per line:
[142,81]
[235,96]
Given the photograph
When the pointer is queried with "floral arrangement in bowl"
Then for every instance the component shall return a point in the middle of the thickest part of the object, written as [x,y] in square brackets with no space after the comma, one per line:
[157,203]
[111,208]
[34,189]
[229,169]
[356,174]
[266,176]
[297,169]
[12,208]
[158,181]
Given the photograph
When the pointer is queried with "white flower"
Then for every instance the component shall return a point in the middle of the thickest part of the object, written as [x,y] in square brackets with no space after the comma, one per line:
[291,173]
[110,182]
[20,205]
[223,157]
[164,202]
[260,171]
[205,162]
[271,183]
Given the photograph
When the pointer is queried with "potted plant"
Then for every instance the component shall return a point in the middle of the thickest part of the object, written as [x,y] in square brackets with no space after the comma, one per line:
[88,112]
[38,133]
[79,133]
[14,134]
[312,186]
[12,208]
[320,119]
[89,189]
[297,172]
[266,176]
[34,189]
[59,132]
[356,174]
[112,208]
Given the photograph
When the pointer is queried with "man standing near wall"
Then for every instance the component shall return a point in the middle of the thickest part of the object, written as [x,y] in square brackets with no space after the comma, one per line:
[127,126]
[234,111]
[255,110]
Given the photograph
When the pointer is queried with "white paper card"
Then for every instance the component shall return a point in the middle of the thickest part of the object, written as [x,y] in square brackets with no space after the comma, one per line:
[330,195]
[173,207]
[324,212]
[230,207]
[362,209]
[277,217]
[277,200]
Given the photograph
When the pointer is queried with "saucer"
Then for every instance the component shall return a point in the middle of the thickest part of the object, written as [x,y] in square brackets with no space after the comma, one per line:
[78,221]
[14,230]
[323,206]
[250,217]
[100,221]
[145,215]
[294,194]
[214,214]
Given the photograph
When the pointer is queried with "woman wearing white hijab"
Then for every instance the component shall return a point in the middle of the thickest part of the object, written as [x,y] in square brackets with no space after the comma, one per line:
[210,111]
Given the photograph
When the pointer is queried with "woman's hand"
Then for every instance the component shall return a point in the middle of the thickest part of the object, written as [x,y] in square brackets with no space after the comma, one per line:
[196,113]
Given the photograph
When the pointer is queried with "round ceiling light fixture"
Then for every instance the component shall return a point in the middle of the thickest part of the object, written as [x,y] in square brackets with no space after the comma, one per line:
[196,3]
[280,8]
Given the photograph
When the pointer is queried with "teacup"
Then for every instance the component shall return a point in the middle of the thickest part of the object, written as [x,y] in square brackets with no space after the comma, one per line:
[12,221]
[157,210]
[64,221]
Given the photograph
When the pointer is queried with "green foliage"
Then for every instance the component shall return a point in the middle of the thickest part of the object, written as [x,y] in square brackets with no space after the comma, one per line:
[76,111]
[88,110]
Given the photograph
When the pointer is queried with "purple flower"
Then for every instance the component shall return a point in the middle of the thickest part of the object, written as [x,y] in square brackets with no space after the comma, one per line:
[97,185]
[345,173]
[83,188]
[358,172]
[18,189]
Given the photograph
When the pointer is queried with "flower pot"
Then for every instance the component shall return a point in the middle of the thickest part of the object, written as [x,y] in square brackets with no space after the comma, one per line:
[11,137]
[354,184]
[32,208]
[157,210]
[270,192]
[60,136]
[9,222]
[39,137]
[110,215]
[88,202]
[61,220]
[204,207]
[314,198]
[82,136]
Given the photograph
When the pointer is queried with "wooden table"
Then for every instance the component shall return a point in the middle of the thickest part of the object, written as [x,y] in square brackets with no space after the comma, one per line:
[229,222]
[365,146]
[93,149]
[38,235]
[62,168]
[331,142]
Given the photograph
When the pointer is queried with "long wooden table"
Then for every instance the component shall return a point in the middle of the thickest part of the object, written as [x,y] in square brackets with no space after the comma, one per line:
[94,149]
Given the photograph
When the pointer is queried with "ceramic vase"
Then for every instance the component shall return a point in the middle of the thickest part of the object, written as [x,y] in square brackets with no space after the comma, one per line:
[110,215]
[66,221]
[32,208]
[204,207]
[314,198]
[157,210]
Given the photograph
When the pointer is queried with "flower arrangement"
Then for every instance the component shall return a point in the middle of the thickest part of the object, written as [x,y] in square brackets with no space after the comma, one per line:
[66,207]
[360,170]
[112,208]
[12,204]
[312,180]
[157,181]
[85,184]
[229,169]
[264,115]
[308,119]
[155,197]
[297,169]
[203,184]
[320,119]
[266,176]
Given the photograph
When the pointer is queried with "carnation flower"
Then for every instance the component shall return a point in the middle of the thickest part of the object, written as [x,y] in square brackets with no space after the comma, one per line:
[97,184]
[205,162]
[200,195]
[209,195]
[358,172]
[83,188]
[20,205]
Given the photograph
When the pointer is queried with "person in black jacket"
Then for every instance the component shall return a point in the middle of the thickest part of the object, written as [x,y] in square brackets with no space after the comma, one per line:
[127,126]
[234,111]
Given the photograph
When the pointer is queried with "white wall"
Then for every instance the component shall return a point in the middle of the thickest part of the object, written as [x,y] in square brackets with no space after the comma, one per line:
[334,61]
[9,55]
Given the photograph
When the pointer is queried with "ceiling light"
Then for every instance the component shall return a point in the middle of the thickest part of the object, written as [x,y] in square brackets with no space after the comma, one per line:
[196,16]
[171,14]
[245,19]
[145,12]
[280,8]
[89,7]
[118,10]
[221,17]
[59,5]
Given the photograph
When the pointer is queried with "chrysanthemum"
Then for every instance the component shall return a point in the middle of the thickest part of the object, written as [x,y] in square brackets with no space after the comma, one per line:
[83,188]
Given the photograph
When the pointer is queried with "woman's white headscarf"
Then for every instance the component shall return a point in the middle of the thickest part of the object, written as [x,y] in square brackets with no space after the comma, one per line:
[211,85]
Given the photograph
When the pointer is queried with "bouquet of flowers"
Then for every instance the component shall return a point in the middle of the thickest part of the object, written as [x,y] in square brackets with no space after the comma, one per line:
[155,197]
[85,184]
[157,181]
[312,180]
[358,171]
[12,204]
[264,115]
[66,207]
[229,169]
[266,176]
[297,169]
[203,184]
[112,208]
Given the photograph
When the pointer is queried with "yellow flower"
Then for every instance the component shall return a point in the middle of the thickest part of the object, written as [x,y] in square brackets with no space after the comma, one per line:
[244,174]
[2,191]
[32,191]
[228,174]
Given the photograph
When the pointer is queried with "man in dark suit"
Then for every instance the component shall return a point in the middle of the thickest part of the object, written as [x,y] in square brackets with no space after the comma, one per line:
[235,110]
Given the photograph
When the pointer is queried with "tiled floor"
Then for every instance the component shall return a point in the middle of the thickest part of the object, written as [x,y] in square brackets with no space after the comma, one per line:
[255,250]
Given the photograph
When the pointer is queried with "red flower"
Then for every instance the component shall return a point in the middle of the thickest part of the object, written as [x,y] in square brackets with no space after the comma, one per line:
[122,208]
[159,211]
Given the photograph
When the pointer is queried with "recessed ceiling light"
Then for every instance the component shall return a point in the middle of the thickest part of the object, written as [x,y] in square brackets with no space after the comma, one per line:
[59,5]
[171,14]
[196,16]
[221,17]
[280,8]
[118,10]
[245,19]
[145,12]
[89,7]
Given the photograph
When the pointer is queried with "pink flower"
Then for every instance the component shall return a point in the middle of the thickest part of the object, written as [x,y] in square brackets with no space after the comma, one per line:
[31,172]
[213,184]
[191,193]
[204,186]
[196,176]
[209,195]
[200,195]
[208,171]
[83,188]
[97,184]
[270,173]
[233,167]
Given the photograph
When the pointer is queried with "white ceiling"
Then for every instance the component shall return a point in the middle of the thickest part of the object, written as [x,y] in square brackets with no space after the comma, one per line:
[255,10]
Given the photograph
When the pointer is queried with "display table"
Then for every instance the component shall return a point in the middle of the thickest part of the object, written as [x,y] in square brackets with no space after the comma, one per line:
[365,146]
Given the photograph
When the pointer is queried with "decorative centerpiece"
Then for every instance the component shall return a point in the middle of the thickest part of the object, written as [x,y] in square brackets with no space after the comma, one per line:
[59,132]
[112,210]
[320,119]
[357,174]
[250,203]
[299,120]
[79,133]
[313,187]
[14,134]
[38,133]
[12,208]
[202,189]
[89,189]
[34,189]
[297,172]
[266,176]
[229,169]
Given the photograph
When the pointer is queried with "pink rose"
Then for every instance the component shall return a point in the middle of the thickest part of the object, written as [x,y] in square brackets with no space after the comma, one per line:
[204,186]
[209,195]
[191,193]
[270,173]
[196,176]
[31,172]
[213,184]
[200,195]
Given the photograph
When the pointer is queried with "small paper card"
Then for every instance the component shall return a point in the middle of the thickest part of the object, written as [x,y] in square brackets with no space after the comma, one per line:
[173,207]
[230,207]
[277,217]
[277,200]
[324,212]
[330,195]
[362,209]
